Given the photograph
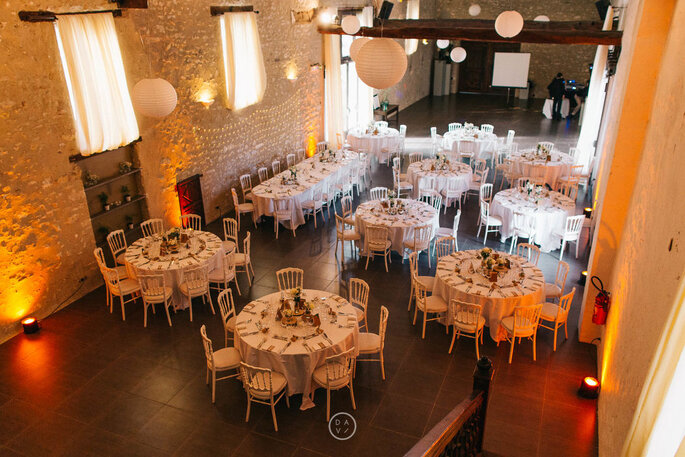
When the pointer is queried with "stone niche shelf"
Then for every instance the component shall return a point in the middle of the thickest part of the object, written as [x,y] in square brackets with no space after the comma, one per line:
[106,164]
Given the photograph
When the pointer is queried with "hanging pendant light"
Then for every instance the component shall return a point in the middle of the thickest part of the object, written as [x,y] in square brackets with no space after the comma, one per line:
[442,44]
[350,24]
[154,97]
[357,45]
[458,54]
[381,63]
[541,18]
[509,24]
[474,10]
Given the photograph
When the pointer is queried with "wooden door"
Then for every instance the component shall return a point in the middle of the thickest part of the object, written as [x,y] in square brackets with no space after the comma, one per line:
[190,197]
[475,73]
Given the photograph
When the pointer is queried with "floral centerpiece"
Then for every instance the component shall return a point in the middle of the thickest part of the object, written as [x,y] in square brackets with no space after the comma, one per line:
[90,179]
[292,179]
[441,161]
[543,151]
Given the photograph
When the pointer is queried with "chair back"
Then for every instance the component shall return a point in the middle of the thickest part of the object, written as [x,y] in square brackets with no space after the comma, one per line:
[247,246]
[420,291]
[530,252]
[290,278]
[226,306]
[486,192]
[526,318]
[191,221]
[445,246]
[513,148]
[572,152]
[565,304]
[321,146]
[455,224]
[383,325]
[207,344]
[467,146]
[290,160]
[510,136]
[346,205]
[152,227]
[234,194]
[466,314]
[426,184]
[228,263]
[339,225]
[230,229]
[396,162]
[403,130]
[453,126]
[196,280]
[487,128]
[359,293]
[546,144]
[562,273]
[276,167]
[434,134]
[480,177]
[263,174]
[111,276]
[574,224]
[524,225]
[415,157]
[379,193]
[376,237]
[152,287]
[484,211]
[256,381]
[117,242]
[282,208]
[422,236]
[576,170]
[339,366]
[381,125]
[413,264]
[481,165]
[246,184]
[570,189]
[300,154]
[436,201]
[99,258]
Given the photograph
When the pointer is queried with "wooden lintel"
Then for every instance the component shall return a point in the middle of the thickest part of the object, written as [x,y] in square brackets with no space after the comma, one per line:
[219,10]
[132,3]
[557,32]
[49,16]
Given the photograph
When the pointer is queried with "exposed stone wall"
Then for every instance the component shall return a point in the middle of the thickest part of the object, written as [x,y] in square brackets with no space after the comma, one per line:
[546,60]
[46,239]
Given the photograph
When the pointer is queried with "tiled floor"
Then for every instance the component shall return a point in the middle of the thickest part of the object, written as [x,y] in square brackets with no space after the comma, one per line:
[90,384]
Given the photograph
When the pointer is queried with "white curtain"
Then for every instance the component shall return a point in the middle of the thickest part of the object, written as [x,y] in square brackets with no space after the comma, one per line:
[244,73]
[333,86]
[658,426]
[410,46]
[364,92]
[94,71]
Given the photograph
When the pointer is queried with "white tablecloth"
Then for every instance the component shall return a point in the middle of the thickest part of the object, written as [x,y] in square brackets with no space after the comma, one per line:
[457,172]
[311,174]
[203,248]
[373,144]
[498,302]
[486,143]
[526,164]
[549,214]
[400,226]
[296,360]
[547,108]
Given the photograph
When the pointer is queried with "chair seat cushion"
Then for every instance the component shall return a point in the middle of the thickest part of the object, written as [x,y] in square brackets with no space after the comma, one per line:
[217,275]
[126,287]
[549,312]
[369,343]
[226,358]
[312,204]
[508,324]
[349,235]
[122,271]
[278,383]
[319,376]
[435,304]
[349,220]
[121,258]
[284,215]
[160,297]
[248,195]
[552,290]
[494,220]
[245,207]
[239,258]
[360,314]
[195,289]
[444,231]
[380,246]
[228,245]
[470,328]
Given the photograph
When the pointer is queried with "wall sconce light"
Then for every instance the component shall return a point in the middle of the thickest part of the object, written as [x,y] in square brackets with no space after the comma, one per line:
[589,387]
[326,16]
[291,71]
[30,325]
[205,94]
[424,41]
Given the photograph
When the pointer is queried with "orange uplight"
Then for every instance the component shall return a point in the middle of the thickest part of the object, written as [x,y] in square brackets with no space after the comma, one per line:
[30,325]
[28,320]
[592,382]
[311,146]
[589,388]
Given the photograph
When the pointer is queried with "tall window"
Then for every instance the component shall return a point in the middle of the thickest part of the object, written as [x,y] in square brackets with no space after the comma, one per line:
[244,73]
[357,97]
[96,80]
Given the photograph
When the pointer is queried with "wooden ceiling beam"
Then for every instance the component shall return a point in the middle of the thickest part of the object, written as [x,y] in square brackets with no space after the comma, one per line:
[484,30]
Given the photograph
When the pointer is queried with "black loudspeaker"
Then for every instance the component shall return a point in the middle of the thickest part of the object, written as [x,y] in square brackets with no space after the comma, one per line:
[602,7]
[386,9]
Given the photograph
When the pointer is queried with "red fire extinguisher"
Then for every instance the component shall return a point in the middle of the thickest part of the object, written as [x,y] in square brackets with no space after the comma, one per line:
[602,302]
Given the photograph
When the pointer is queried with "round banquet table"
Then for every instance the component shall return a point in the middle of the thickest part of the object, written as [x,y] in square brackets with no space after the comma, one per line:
[486,143]
[527,164]
[373,143]
[400,226]
[549,214]
[274,348]
[469,285]
[457,174]
[312,174]
[202,248]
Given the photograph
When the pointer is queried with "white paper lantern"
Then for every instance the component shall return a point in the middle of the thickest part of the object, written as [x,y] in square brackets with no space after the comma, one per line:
[381,63]
[509,24]
[458,54]
[474,10]
[357,45]
[442,44]
[350,24]
[541,18]
[154,97]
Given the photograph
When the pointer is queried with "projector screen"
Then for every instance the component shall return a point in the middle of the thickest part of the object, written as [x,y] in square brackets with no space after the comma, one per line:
[511,69]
